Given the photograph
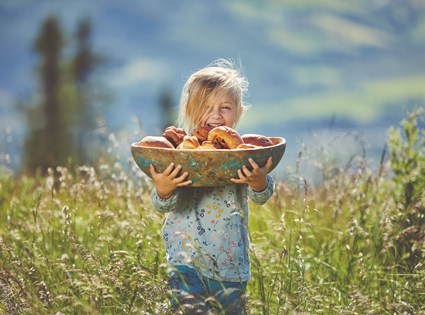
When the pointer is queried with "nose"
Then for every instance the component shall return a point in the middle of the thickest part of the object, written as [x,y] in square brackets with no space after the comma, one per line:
[215,113]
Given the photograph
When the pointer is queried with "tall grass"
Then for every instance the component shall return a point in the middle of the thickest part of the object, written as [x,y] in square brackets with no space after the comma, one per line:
[87,241]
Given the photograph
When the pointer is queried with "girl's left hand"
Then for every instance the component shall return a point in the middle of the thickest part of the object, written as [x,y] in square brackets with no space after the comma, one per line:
[257,178]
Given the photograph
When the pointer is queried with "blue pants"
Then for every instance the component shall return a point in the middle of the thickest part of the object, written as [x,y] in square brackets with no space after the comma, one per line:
[196,294]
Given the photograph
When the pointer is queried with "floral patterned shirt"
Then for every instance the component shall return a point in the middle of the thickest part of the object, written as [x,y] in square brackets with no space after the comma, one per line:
[207,228]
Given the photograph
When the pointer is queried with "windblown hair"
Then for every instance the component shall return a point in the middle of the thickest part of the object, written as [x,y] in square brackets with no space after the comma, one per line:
[206,85]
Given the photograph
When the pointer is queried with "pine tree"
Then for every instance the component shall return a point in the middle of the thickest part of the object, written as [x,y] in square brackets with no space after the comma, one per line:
[166,107]
[61,124]
[83,65]
[49,140]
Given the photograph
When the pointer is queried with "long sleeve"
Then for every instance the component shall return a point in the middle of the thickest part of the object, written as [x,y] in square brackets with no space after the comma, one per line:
[261,197]
[165,205]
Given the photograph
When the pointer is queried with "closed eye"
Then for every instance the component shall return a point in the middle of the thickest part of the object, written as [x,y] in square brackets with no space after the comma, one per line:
[226,107]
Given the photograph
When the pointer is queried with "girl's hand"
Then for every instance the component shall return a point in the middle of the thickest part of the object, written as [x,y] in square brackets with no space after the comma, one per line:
[167,181]
[256,178]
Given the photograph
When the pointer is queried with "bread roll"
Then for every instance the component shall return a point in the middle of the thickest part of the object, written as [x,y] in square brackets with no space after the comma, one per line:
[189,142]
[208,145]
[174,135]
[258,140]
[155,142]
[227,137]
[247,146]
[201,132]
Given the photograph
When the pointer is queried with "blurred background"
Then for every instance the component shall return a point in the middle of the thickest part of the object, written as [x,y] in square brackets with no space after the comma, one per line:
[83,78]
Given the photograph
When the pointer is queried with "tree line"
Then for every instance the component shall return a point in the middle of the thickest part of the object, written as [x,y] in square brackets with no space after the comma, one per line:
[61,123]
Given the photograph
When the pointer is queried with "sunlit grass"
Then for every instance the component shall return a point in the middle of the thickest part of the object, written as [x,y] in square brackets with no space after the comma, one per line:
[87,241]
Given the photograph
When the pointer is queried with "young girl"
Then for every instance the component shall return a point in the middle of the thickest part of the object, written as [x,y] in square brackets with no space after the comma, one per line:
[206,229]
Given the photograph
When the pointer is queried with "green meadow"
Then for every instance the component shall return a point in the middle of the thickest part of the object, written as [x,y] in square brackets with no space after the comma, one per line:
[86,240]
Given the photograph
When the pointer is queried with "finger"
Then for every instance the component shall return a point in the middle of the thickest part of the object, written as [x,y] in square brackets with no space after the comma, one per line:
[176,170]
[153,170]
[168,170]
[180,181]
[253,163]
[246,171]
[236,180]
[181,178]
[241,176]
[268,165]
[185,183]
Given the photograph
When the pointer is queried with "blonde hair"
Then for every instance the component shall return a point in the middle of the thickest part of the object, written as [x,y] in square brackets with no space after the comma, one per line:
[204,86]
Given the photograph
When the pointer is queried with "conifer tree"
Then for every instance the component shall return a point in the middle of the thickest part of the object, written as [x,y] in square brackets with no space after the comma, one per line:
[166,107]
[83,65]
[61,124]
[49,140]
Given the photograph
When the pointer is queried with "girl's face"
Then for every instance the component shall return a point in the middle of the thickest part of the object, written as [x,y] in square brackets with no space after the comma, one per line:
[222,112]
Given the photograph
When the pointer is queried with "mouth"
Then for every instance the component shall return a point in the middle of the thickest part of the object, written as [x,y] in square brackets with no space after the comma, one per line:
[214,125]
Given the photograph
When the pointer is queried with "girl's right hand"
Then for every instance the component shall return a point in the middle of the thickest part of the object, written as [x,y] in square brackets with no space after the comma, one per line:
[168,181]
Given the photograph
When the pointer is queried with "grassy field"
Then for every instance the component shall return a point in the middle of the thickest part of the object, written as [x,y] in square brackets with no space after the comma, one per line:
[87,240]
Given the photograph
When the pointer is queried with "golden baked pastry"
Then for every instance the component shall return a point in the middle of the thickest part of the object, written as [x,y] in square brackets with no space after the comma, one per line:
[258,140]
[155,142]
[189,142]
[226,137]
[174,135]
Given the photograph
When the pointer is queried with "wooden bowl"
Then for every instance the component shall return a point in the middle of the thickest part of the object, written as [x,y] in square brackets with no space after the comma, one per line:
[207,167]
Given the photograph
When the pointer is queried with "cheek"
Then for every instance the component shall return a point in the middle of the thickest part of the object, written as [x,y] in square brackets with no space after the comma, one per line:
[203,121]
[231,117]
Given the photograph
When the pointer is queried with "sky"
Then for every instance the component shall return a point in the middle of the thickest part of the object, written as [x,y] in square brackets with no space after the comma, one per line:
[356,64]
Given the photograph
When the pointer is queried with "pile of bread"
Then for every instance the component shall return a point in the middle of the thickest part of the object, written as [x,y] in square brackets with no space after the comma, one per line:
[205,137]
